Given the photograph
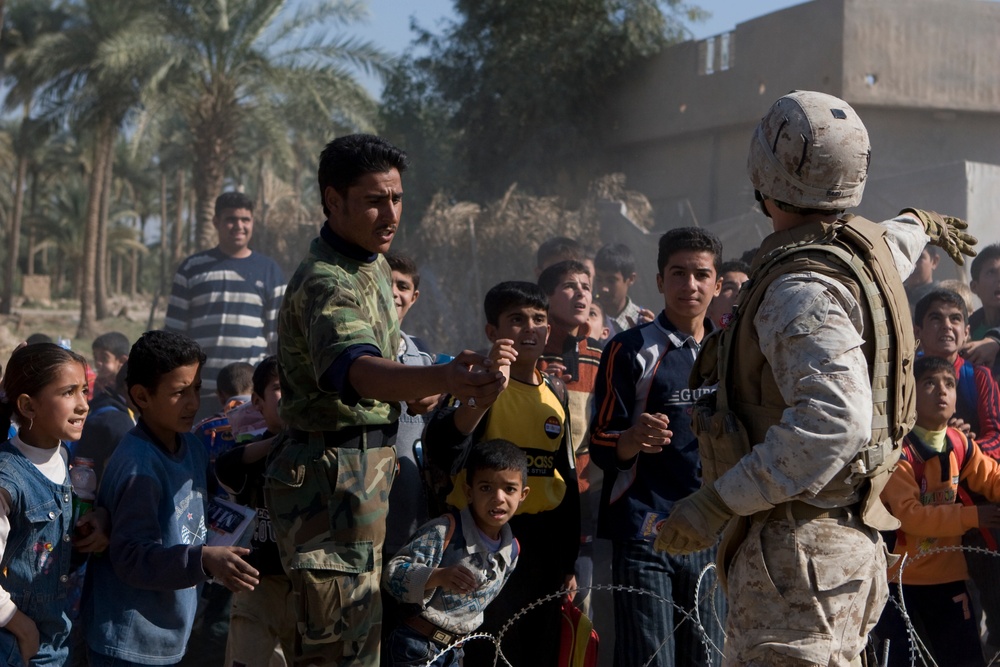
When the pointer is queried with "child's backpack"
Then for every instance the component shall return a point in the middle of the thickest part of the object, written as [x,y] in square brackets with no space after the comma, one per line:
[959,444]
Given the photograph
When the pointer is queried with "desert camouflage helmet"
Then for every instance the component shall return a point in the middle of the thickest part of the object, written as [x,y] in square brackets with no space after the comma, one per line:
[810,150]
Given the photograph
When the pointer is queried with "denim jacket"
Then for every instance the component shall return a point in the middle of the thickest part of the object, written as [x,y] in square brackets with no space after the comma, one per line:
[36,563]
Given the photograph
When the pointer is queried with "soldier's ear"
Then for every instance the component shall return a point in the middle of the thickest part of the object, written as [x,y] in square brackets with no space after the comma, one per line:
[333,201]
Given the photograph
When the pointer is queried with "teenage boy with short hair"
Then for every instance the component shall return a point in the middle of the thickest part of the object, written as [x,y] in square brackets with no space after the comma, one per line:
[925,494]
[614,274]
[532,413]
[142,597]
[642,440]
[455,565]
[573,355]
[940,323]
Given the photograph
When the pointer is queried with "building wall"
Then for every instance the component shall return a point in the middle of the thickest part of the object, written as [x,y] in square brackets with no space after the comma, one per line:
[923,74]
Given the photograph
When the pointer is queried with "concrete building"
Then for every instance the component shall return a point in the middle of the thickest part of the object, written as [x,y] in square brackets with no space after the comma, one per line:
[924,75]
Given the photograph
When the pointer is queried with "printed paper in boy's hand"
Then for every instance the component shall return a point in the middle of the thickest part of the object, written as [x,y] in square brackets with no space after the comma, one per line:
[229,524]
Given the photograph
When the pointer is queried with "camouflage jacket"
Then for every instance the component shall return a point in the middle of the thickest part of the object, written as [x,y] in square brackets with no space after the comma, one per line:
[334,302]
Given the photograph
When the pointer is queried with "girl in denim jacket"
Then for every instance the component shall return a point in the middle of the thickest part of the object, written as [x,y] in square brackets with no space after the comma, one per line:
[45,392]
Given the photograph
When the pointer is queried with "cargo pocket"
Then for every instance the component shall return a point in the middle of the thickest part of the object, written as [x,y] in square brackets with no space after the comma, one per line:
[291,509]
[722,438]
[335,608]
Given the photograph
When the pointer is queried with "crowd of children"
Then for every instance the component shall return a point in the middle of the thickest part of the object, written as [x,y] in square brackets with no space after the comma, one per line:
[495,503]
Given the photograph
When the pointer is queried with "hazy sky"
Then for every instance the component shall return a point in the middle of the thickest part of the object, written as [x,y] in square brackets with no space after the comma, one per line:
[389,22]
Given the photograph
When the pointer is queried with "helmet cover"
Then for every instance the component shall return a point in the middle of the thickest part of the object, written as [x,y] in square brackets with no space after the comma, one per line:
[810,150]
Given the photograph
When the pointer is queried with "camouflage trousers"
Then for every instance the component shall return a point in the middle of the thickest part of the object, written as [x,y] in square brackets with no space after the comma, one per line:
[804,592]
[328,509]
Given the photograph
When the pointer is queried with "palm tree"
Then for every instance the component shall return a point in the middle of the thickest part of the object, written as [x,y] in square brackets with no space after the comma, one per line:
[27,24]
[96,70]
[237,63]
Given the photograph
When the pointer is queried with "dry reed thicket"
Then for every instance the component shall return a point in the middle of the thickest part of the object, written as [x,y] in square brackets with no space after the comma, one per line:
[463,249]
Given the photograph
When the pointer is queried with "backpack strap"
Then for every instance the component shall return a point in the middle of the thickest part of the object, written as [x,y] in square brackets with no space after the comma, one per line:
[558,387]
[453,519]
[967,389]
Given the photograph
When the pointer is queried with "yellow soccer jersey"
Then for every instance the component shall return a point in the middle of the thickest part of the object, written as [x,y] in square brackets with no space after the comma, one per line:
[532,418]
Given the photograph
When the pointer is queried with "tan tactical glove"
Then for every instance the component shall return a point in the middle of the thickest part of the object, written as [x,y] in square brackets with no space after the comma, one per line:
[695,523]
[946,233]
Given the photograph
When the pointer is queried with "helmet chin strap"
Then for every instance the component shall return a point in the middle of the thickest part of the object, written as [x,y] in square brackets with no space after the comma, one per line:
[760,200]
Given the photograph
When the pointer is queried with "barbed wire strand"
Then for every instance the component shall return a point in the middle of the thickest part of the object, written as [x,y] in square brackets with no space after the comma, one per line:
[917,649]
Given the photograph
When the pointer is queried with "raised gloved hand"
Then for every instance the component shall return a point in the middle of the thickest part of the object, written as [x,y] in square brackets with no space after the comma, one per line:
[946,233]
[694,523]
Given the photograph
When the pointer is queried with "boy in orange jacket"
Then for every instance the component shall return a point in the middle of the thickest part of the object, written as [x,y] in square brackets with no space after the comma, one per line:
[928,493]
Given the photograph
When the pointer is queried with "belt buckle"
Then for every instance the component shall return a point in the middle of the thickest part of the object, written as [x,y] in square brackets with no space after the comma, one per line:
[442,637]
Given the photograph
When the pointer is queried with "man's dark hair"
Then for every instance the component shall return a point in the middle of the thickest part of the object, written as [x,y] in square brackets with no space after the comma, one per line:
[512,294]
[496,454]
[157,353]
[348,158]
[235,379]
[264,374]
[551,277]
[944,296]
[688,238]
[925,365]
[988,254]
[558,246]
[405,265]
[735,265]
[615,257]
[748,255]
[114,342]
[232,200]
[39,337]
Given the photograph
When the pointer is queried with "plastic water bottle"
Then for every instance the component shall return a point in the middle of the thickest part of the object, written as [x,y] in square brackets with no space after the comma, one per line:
[84,481]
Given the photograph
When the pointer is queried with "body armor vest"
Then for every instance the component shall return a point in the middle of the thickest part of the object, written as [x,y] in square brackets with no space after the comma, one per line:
[854,252]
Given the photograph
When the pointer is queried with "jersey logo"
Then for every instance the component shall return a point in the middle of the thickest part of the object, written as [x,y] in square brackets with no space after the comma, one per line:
[553,427]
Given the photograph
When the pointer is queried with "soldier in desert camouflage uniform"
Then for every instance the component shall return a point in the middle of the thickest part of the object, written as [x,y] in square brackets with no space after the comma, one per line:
[327,486]
[815,373]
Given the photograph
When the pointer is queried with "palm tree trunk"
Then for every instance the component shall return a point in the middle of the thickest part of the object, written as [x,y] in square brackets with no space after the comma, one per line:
[133,287]
[178,244]
[164,256]
[192,207]
[31,220]
[88,278]
[14,239]
[103,264]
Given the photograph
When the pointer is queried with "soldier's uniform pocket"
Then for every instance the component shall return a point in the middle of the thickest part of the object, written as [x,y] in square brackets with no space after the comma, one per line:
[329,506]
[722,438]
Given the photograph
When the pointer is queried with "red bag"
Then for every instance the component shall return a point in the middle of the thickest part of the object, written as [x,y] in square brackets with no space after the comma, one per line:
[578,645]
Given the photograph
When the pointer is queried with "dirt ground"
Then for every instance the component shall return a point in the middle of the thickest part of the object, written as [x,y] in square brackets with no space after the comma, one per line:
[61,319]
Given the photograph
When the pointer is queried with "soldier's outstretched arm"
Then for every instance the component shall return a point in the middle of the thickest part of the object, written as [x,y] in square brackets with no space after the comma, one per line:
[389,381]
